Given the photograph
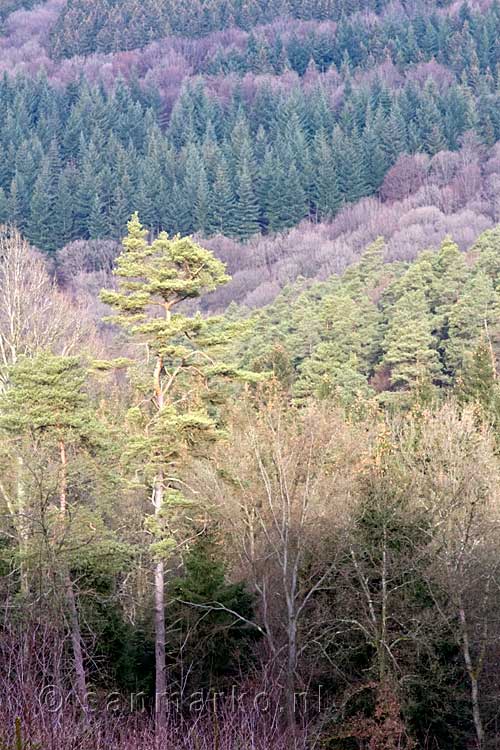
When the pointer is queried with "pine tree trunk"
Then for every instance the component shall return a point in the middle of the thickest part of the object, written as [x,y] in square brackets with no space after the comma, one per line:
[74,621]
[160,661]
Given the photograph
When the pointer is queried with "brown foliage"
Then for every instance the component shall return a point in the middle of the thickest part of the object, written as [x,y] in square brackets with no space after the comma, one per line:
[385,730]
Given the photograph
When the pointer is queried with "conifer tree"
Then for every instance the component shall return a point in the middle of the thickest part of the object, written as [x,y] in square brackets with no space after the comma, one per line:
[15,212]
[476,311]
[204,207]
[64,208]
[224,200]
[326,376]
[292,198]
[4,206]
[175,420]
[87,187]
[97,222]
[247,210]
[351,324]
[46,402]
[394,141]
[409,346]
[327,197]
[477,382]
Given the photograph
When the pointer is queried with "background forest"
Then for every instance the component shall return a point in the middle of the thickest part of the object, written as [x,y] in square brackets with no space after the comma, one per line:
[249,401]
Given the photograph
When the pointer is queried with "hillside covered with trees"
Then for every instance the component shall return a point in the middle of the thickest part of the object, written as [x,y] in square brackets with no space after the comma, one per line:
[324,477]
[249,393]
[280,128]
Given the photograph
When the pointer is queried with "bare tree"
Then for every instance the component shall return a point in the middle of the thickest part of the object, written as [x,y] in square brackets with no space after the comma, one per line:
[282,491]
[34,314]
[456,481]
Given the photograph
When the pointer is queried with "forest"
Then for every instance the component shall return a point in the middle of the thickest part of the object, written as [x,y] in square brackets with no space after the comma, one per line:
[249,392]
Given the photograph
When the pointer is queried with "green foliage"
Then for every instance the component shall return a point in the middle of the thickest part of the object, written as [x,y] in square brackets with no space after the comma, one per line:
[185,371]
[409,347]
[211,618]
[47,398]
[477,380]
[237,167]
[382,327]
[19,743]
[106,26]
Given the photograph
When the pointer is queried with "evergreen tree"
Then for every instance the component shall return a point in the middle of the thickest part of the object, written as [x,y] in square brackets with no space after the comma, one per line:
[324,376]
[293,206]
[393,137]
[97,221]
[41,230]
[246,210]
[4,207]
[204,215]
[476,311]
[477,382]
[15,212]
[217,646]
[409,347]
[46,402]
[64,208]
[326,197]
[179,375]
[85,195]
[224,201]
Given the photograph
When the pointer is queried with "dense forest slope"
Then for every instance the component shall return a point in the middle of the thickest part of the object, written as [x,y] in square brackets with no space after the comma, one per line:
[107,25]
[385,327]
[246,132]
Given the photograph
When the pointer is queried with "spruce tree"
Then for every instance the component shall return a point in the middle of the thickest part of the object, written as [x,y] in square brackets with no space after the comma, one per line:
[15,212]
[224,201]
[393,140]
[4,207]
[41,226]
[64,208]
[85,194]
[293,199]
[97,221]
[204,212]
[246,211]
[326,197]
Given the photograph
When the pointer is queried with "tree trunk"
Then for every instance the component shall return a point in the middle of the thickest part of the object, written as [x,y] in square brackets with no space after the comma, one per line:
[17,507]
[160,661]
[74,621]
[290,673]
[382,640]
[473,677]
[76,641]
[22,525]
